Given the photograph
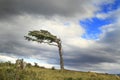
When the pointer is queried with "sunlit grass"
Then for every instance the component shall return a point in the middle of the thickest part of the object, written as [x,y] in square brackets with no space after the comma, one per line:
[35,73]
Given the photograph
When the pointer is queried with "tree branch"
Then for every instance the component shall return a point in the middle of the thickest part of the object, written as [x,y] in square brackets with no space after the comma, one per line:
[39,41]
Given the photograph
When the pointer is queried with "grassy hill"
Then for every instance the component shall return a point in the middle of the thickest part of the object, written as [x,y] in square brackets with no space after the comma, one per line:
[8,71]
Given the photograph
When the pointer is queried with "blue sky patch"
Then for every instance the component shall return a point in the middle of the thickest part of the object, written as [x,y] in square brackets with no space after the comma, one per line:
[92,25]
[105,8]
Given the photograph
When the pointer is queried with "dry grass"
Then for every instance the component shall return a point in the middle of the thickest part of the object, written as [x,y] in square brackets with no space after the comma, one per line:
[34,73]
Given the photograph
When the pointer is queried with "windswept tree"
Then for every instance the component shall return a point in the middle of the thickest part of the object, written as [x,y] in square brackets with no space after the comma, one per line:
[43,36]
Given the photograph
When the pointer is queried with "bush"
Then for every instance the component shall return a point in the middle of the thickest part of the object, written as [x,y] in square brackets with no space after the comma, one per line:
[53,68]
[36,65]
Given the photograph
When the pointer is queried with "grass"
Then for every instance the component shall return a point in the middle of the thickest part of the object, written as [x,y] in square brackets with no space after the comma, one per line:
[36,73]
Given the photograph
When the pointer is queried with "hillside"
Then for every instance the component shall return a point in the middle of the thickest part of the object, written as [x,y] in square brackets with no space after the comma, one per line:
[8,71]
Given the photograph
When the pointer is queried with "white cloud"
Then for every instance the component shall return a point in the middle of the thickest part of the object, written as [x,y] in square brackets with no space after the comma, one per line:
[101,15]
[111,15]
[7,58]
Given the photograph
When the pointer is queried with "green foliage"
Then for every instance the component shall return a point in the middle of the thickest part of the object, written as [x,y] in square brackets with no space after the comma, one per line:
[41,36]
[8,72]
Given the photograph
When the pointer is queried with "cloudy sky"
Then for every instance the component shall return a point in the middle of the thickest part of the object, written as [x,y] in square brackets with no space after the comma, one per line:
[89,30]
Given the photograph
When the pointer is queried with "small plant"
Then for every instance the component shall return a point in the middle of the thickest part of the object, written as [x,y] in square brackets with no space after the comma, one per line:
[53,68]
[36,65]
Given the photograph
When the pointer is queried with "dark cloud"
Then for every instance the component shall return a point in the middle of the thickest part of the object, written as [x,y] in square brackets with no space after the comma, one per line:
[68,8]
[22,48]
[17,45]
[83,60]
[111,41]
[12,40]
[112,37]
[8,8]
[79,58]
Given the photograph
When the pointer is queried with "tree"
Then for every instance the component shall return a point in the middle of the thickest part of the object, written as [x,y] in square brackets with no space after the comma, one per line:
[43,36]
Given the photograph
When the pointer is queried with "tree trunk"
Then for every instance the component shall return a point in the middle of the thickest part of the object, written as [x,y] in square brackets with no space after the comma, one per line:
[60,54]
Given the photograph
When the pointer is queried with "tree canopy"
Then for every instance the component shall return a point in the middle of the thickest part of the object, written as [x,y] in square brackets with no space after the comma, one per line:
[41,36]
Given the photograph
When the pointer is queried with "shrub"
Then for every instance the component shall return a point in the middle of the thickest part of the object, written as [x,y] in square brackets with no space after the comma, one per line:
[53,68]
[36,65]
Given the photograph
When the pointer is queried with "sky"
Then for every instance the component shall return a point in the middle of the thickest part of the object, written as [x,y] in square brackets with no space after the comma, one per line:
[89,30]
